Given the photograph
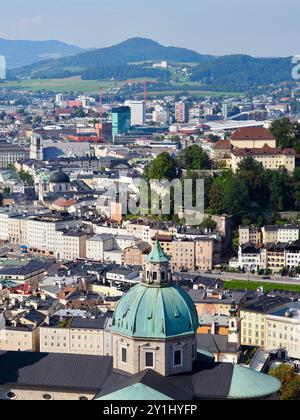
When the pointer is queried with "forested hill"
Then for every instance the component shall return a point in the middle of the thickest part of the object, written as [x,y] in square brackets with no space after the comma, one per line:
[243,72]
[22,53]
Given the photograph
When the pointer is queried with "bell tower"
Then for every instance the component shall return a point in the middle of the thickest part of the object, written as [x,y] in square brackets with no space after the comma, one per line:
[36,147]
[157,272]
[234,325]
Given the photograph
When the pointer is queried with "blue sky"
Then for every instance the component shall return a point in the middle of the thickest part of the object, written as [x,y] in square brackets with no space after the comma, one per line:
[257,27]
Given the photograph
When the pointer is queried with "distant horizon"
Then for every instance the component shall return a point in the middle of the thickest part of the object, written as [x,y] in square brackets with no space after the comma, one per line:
[141,37]
[262,28]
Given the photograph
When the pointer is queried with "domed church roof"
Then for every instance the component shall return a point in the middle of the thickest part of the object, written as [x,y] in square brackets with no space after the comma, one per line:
[60,177]
[155,312]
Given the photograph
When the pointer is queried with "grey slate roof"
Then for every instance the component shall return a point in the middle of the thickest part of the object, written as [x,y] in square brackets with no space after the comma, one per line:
[215,343]
[54,371]
[265,304]
[91,324]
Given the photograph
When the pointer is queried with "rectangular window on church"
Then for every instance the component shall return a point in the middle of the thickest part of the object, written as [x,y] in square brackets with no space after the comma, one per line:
[149,359]
[124,355]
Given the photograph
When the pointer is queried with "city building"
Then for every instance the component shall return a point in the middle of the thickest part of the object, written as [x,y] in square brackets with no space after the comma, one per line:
[182,110]
[252,138]
[271,158]
[77,335]
[254,323]
[36,147]
[138,112]
[22,332]
[121,120]
[248,234]
[189,254]
[12,153]
[283,330]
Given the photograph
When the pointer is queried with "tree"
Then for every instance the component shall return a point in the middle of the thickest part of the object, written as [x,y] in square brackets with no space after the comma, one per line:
[252,172]
[290,381]
[236,196]
[216,197]
[280,192]
[37,119]
[209,224]
[286,133]
[163,167]
[26,178]
[193,158]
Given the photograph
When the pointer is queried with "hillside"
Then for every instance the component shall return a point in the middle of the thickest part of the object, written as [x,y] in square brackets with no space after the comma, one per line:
[242,72]
[133,58]
[135,50]
[21,53]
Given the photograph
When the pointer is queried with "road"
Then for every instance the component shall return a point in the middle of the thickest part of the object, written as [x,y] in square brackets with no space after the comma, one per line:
[247,277]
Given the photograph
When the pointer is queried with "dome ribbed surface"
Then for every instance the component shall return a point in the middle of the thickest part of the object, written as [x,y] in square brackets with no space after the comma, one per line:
[155,312]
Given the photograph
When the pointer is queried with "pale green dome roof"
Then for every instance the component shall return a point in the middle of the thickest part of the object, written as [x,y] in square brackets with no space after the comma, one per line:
[136,392]
[155,312]
[157,254]
[246,383]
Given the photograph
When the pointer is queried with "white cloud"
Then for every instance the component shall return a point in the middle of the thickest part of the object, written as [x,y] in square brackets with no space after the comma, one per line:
[27,22]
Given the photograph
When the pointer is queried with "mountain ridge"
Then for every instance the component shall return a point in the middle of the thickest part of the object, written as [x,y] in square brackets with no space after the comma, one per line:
[131,58]
[19,53]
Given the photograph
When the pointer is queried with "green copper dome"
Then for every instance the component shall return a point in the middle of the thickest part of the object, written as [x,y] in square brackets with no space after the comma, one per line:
[249,384]
[155,312]
[157,255]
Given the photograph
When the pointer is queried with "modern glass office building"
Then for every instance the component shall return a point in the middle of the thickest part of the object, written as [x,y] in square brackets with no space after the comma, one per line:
[121,120]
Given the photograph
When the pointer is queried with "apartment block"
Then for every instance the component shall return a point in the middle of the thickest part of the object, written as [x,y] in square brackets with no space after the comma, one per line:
[76,335]
[283,330]
[187,254]
[254,319]
[249,235]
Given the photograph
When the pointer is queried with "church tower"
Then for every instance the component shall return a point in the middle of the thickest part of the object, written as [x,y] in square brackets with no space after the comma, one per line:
[155,323]
[234,325]
[36,147]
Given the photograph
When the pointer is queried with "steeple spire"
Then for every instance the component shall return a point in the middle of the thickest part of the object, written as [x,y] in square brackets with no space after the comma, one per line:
[157,254]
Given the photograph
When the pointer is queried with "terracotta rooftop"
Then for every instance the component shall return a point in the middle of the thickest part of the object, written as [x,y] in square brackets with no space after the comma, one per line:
[252,133]
[223,144]
[64,202]
[266,150]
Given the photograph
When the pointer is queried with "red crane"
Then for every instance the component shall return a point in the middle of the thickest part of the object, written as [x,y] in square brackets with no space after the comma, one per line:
[145,90]
[101,107]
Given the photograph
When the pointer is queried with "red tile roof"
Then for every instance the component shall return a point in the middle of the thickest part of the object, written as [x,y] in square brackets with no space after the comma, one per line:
[64,203]
[252,133]
[266,150]
[223,145]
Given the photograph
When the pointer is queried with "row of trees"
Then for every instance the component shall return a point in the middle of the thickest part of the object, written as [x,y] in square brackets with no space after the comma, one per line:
[166,167]
[248,193]
[286,133]
[253,188]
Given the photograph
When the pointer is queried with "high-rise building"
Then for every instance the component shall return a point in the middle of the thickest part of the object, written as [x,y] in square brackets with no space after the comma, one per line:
[138,112]
[104,131]
[182,110]
[121,120]
[225,110]
[2,68]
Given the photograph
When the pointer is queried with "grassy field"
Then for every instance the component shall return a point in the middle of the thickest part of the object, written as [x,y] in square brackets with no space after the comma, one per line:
[76,84]
[197,93]
[59,85]
[243,285]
